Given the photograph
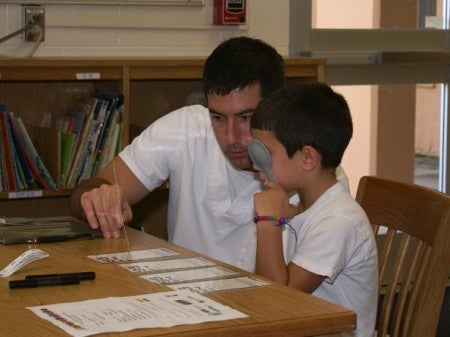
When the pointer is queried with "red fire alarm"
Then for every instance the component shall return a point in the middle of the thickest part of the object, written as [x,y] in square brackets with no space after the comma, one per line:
[229,12]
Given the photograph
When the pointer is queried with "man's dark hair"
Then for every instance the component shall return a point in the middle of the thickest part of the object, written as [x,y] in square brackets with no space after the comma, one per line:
[242,61]
[309,113]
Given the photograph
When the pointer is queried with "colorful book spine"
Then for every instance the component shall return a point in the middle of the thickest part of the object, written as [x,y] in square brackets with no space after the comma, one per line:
[8,154]
[114,110]
[37,160]
[38,180]
[99,114]
[21,155]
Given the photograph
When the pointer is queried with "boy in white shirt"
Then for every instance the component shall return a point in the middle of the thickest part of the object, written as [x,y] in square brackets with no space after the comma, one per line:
[324,245]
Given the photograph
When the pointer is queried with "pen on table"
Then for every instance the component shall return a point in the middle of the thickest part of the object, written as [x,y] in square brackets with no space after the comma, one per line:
[43,282]
[85,275]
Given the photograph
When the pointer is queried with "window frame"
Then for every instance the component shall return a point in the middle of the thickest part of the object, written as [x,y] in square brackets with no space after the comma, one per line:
[379,56]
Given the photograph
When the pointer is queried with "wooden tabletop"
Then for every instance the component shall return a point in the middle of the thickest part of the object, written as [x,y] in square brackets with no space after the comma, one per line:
[273,310]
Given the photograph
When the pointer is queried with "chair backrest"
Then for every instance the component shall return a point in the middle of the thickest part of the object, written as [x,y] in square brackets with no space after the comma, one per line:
[413,253]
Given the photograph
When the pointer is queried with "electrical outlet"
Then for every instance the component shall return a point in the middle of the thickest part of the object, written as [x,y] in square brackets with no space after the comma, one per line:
[34,15]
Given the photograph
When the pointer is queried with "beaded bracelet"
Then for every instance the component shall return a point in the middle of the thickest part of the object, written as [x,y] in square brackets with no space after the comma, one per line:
[280,221]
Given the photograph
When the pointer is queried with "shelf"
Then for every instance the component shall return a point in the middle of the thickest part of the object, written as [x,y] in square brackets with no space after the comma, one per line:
[28,194]
[34,88]
[416,57]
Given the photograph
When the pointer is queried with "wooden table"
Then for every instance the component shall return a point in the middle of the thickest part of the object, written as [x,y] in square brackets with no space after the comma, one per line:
[273,310]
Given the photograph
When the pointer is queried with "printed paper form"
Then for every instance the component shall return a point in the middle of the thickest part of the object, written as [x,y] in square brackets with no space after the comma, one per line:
[148,266]
[220,285]
[189,275]
[116,314]
[133,255]
[191,269]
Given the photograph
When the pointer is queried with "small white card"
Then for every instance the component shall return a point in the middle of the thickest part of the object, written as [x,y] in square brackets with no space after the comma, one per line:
[25,258]
[189,275]
[222,284]
[149,266]
[133,255]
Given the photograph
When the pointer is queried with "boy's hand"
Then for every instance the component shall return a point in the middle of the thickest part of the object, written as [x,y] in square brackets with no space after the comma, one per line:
[274,201]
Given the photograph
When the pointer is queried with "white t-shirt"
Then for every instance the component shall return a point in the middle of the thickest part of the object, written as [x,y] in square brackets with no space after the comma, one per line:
[210,206]
[335,239]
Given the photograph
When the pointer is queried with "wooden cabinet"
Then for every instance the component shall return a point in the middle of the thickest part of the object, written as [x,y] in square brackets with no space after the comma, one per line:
[39,89]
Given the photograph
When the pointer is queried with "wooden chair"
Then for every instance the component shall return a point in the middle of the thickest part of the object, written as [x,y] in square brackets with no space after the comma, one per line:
[413,254]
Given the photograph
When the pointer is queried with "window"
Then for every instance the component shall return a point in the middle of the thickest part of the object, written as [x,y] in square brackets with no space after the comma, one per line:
[390,61]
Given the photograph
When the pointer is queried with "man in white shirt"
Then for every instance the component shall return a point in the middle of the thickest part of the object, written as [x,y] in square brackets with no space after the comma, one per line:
[203,152]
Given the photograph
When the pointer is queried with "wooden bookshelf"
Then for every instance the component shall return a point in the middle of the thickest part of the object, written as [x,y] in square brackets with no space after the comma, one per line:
[39,89]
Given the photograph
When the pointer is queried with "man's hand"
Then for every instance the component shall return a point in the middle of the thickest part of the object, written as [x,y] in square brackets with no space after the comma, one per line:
[105,200]
[106,207]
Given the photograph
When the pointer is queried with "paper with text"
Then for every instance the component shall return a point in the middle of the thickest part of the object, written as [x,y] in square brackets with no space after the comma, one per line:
[133,255]
[189,275]
[116,314]
[220,285]
[148,266]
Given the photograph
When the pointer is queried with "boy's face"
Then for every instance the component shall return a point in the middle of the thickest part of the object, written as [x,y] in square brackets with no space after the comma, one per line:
[285,169]
[230,119]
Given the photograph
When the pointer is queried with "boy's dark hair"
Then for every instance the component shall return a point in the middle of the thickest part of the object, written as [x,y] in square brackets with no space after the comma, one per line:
[310,113]
[241,61]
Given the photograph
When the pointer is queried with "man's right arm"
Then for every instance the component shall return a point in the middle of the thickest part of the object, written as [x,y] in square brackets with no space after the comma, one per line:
[105,200]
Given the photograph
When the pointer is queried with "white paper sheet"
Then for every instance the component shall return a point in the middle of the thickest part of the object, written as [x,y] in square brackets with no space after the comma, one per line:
[149,266]
[115,314]
[189,275]
[220,285]
[21,261]
[133,255]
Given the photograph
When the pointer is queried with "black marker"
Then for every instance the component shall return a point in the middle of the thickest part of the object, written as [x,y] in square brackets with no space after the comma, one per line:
[85,275]
[43,282]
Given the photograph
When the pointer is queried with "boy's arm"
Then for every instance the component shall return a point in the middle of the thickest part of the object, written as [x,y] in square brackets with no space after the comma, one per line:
[270,261]
[302,279]
[269,252]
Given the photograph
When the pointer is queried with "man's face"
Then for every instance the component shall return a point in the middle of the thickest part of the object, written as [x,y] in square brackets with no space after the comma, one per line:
[230,119]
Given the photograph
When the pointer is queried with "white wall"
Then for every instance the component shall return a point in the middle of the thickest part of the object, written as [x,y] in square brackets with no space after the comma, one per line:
[128,31]
[142,30]
[343,14]
[360,156]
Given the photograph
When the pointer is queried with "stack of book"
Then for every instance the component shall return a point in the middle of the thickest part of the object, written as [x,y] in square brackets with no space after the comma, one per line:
[76,148]
[21,166]
[90,136]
